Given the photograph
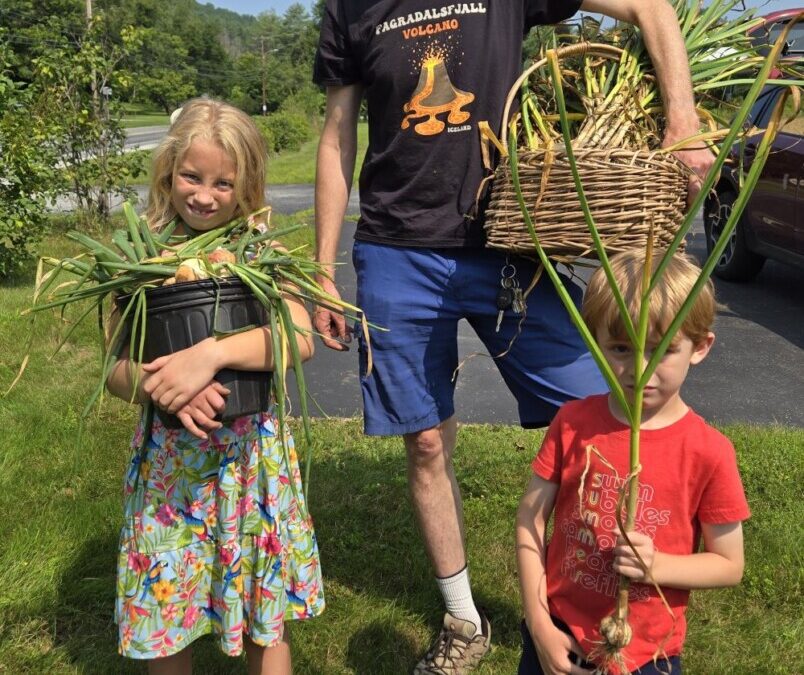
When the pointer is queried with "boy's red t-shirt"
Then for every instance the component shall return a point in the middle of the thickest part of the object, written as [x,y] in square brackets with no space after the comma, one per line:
[689,476]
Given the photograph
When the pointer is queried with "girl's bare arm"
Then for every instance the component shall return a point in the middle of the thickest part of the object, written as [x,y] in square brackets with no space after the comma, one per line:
[175,379]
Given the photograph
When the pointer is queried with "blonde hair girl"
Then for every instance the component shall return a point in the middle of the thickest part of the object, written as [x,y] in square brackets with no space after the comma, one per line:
[221,124]
[215,538]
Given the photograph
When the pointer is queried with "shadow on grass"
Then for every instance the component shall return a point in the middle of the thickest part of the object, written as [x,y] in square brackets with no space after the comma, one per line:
[369,544]
[379,648]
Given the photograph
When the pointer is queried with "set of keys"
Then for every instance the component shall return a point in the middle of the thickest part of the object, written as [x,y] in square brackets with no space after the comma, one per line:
[509,296]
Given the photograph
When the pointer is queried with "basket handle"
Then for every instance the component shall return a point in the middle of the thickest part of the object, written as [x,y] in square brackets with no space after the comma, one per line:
[593,48]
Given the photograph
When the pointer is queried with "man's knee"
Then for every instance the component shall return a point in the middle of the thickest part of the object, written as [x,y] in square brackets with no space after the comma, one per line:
[431,445]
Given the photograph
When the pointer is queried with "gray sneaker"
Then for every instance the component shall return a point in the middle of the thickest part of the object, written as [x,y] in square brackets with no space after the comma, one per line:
[456,650]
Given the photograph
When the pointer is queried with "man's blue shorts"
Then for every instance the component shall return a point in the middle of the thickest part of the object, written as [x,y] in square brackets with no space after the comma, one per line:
[420,294]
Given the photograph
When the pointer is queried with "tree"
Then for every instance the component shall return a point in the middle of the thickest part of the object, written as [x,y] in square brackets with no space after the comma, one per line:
[78,79]
[163,71]
[27,175]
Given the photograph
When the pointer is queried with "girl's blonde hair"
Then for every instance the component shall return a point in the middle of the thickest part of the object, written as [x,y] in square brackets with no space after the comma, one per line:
[600,308]
[220,123]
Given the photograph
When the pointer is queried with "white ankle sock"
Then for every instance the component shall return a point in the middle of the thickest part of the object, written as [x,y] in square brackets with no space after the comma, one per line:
[458,597]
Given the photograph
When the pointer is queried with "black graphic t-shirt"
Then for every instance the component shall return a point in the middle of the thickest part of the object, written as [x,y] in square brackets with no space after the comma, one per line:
[431,71]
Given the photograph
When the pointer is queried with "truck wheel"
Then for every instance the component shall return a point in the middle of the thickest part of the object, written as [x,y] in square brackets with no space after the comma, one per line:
[737,262]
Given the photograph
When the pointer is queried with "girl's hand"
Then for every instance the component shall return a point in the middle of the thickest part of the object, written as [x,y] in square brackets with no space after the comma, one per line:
[627,563]
[553,647]
[177,378]
[197,416]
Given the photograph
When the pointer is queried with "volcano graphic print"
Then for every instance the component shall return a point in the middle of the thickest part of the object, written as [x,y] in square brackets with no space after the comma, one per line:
[435,95]
[432,39]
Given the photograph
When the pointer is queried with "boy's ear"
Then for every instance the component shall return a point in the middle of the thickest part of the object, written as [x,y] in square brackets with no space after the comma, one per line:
[701,350]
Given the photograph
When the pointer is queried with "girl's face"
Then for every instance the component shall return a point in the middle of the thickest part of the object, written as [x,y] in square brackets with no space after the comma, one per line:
[203,186]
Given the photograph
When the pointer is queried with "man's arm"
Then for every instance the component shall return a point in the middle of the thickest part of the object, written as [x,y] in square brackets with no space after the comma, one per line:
[335,165]
[658,22]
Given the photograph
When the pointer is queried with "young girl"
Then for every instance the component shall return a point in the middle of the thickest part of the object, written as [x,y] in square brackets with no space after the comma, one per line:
[214,539]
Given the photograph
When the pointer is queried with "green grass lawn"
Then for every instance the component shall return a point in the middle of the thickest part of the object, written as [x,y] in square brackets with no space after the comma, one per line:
[60,510]
[140,115]
[299,167]
[145,120]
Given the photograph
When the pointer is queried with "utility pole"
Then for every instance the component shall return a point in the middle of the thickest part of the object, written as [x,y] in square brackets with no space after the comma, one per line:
[102,114]
[93,84]
[264,107]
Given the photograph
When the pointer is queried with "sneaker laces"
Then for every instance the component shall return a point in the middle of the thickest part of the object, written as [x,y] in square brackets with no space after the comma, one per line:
[443,648]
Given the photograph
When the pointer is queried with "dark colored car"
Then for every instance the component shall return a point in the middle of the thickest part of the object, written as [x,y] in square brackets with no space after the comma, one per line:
[772,224]
[766,34]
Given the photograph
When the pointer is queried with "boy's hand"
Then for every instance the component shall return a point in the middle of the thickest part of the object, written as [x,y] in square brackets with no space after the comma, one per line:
[553,647]
[627,563]
[198,415]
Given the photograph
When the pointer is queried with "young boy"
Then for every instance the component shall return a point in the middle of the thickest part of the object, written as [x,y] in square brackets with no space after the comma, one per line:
[689,489]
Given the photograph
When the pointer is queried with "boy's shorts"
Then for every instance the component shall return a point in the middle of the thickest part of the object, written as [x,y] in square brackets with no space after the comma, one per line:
[420,295]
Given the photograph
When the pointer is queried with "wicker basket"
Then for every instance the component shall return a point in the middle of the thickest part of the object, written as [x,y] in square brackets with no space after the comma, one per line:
[629,192]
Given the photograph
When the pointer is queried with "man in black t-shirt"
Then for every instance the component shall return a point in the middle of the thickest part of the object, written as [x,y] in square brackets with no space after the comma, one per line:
[430,71]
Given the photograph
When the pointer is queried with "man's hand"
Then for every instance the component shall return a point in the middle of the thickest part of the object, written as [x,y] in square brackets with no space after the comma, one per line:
[329,324]
[698,158]
[198,416]
[627,563]
[553,648]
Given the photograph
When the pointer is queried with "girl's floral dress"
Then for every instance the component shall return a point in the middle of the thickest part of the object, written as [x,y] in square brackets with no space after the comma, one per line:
[215,540]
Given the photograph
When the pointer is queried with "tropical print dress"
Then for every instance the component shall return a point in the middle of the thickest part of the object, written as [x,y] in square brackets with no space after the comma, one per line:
[215,540]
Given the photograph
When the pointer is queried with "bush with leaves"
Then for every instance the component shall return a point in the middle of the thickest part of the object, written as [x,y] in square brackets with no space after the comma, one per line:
[87,135]
[284,130]
[26,169]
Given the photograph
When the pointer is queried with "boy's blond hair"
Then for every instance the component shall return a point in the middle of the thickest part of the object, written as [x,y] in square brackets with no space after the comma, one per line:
[220,123]
[600,308]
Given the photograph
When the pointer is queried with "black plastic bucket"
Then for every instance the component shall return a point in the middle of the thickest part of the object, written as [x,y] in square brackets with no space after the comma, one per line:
[183,314]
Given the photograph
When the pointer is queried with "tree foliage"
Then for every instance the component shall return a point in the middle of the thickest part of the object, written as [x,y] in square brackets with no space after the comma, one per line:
[64,81]
[26,166]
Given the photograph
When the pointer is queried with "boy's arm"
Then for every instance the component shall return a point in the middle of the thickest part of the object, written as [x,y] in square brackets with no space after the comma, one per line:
[552,645]
[719,564]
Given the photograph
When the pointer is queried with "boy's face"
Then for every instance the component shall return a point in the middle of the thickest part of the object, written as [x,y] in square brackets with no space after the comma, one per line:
[661,393]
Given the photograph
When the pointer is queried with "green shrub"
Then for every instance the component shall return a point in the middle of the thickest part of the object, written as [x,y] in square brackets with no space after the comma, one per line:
[308,100]
[27,176]
[261,121]
[22,225]
[284,130]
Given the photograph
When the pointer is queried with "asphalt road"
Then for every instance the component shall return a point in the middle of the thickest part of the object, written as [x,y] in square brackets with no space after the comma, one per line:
[754,374]
[144,138]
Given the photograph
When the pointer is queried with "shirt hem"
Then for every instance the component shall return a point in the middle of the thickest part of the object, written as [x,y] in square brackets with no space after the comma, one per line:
[418,243]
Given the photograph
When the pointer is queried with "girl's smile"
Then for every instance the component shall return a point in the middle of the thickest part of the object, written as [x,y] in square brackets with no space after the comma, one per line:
[203,186]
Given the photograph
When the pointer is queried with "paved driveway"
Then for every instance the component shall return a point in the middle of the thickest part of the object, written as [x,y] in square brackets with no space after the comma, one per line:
[754,374]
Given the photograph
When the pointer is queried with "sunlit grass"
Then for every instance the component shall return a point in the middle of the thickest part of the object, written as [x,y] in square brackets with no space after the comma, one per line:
[60,506]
